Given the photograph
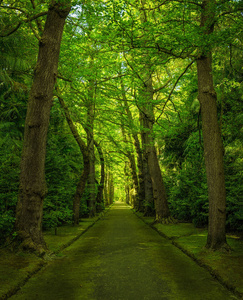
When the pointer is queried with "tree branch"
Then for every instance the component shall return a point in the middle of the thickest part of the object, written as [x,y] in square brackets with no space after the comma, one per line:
[21,22]
[168,99]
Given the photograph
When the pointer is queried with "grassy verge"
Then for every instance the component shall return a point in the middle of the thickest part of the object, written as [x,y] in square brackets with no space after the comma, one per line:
[226,267]
[17,268]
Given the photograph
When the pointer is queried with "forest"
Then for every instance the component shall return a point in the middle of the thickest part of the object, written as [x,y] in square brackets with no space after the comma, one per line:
[131,100]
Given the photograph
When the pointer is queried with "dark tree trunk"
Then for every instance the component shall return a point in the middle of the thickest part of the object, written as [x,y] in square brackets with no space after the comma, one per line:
[99,196]
[213,146]
[141,182]
[161,207]
[150,155]
[111,189]
[85,173]
[106,188]
[32,188]
[141,190]
[134,179]
[133,169]
[90,142]
[146,176]
[127,185]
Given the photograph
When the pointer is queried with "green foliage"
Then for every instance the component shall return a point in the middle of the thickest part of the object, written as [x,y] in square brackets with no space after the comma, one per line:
[105,44]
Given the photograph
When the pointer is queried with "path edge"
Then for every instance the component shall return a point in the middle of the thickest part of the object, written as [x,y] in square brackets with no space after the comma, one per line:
[45,262]
[213,273]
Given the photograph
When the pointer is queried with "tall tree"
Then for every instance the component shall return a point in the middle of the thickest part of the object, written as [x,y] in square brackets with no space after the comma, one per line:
[213,146]
[32,188]
[99,196]
[86,163]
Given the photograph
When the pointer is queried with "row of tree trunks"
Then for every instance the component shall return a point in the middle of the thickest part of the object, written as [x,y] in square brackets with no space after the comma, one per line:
[86,164]
[136,142]
[133,168]
[32,188]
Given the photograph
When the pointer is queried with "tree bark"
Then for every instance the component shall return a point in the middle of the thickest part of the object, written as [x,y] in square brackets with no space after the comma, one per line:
[141,182]
[106,188]
[133,168]
[147,117]
[147,181]
[90,142]
[213,146]
[111,188]
[127,183]
[99,196]
[85,173]
[33,188]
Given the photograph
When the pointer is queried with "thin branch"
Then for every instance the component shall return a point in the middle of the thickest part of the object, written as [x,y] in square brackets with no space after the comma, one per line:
[24,21]
[109,78]
[133,69]
[162,87]
[63,78]
[190,2]
[168,99]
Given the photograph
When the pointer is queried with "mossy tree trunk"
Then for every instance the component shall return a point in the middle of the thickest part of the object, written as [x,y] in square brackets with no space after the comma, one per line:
[213,146]
[33,188]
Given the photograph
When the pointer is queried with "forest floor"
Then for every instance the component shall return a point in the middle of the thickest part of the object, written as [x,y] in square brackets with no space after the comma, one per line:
[121,257]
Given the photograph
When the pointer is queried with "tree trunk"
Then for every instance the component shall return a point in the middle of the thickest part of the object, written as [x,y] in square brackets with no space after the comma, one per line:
[213,146]
[134,179]
[106,188]
[127,185]
[148,187]
[147,119]
[99,197]
[85,173]
[147,116]
[90,143]
[141,189]
[141,182]
[32,188]
[161,206]
[111,189]
[133,168]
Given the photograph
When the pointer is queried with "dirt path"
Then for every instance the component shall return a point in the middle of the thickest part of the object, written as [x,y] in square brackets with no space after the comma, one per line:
[122,258]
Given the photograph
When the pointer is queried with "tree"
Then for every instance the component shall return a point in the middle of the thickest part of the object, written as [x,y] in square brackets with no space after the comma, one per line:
[213,146]
[32,188]
[86,163]
[99,196]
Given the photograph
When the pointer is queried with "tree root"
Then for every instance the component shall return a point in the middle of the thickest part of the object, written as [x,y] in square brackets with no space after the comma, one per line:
[24,242]
[165,221]
[225,248]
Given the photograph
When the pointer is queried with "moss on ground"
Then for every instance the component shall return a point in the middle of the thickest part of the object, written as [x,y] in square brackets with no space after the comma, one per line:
[227,267]
[17,268]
